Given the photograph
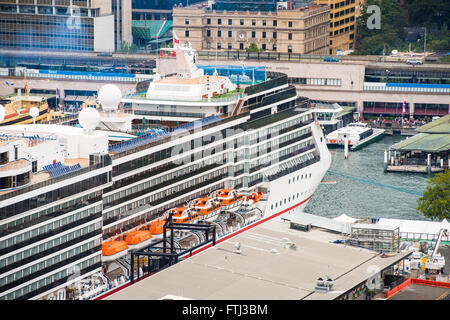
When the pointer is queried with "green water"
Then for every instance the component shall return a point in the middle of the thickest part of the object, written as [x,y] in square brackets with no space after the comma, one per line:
[362,188]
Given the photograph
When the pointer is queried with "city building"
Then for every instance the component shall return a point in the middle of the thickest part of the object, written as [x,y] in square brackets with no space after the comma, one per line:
[65,25]
[291,30]
[342,24]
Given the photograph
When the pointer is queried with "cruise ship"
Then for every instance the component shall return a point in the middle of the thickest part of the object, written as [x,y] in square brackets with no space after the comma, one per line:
[74,201]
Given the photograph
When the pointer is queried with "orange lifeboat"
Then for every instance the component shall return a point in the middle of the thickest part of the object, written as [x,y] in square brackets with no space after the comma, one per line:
[136,237]
[205,207]
[183,215]
[114,248]
[156,227]
[228,197]
[255,196]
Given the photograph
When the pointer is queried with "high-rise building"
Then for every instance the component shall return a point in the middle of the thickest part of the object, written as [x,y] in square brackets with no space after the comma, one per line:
[286,30]
[65,25]
[342,24]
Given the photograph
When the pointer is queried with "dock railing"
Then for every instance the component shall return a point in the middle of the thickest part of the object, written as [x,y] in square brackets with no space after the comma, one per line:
[422,236]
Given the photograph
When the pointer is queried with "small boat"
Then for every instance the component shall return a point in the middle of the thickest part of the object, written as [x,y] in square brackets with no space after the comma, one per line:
[156,227]
[205,207]
[228,198]
[358,134]
[184,215]
[113,249]
[254,197]
[136,238]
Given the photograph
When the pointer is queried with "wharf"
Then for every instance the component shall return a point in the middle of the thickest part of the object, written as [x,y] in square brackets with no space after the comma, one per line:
[413,169]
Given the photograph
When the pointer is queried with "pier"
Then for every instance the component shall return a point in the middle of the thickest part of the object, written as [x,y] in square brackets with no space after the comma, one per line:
[426,152]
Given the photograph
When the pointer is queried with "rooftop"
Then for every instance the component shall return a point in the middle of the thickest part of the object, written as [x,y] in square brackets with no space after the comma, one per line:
[265,269]
[426,142]
[441,125]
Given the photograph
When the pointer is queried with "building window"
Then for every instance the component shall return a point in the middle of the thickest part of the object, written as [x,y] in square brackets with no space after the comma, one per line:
[230,22]
[274,47]
[253,22]
[208,33]
[253,34]
[264,34]
[219,21]
[290,36]
[219,33]
[208,45]
[186,33]
[290,49]
[241,22]
[219,46]
[274,35]
[230,34]
[264,46]
[274,23]
[264,22]
[208,21]
[186,21]
[290,24]
[241,46]
[230,46]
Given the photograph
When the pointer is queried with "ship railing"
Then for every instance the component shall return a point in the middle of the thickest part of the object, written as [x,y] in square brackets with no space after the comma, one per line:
[50,181]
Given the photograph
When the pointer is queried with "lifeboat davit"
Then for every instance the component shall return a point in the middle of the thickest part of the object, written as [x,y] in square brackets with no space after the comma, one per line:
[228,198]
[254,197]
[113,249]
[205,207]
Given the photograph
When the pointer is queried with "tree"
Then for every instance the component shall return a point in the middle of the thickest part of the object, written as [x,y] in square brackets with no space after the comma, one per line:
[372,41]
[253,48]
[435,202]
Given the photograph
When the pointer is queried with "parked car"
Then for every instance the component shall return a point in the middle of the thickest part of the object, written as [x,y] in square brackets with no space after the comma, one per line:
[413,62]
[330,59]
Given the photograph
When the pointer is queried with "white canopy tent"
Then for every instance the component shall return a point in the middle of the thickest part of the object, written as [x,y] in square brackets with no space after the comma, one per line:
[345,218]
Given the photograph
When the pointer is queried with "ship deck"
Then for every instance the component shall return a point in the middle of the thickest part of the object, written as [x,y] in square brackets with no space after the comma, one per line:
[265,269]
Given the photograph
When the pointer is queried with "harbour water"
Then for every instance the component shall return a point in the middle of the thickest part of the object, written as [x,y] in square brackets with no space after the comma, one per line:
[362,188]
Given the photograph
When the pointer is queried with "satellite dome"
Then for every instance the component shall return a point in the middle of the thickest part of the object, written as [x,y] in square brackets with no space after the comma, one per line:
[109,96]
[34,112]
[89,118]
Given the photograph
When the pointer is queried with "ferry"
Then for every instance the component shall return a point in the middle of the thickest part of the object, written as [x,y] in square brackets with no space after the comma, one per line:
[79,200]
[358,134]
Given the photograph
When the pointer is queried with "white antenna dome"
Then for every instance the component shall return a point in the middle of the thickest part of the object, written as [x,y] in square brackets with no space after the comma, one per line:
[89,118]
[109,97]
[34,112]
[2,112]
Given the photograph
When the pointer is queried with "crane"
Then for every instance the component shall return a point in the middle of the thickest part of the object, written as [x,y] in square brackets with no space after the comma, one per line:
[436,262]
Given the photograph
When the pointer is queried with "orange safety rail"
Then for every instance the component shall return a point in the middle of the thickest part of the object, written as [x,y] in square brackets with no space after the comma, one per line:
[424,282]
[398,288]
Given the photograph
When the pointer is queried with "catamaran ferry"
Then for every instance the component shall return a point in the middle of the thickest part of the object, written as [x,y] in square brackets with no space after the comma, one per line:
[74,201]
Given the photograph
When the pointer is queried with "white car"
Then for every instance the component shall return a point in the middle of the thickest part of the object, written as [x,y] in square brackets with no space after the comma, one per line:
[413,61]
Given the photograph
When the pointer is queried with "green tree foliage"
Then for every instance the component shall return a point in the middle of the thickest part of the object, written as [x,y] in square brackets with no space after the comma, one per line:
[253,47]
[372,41]
[430,13]
[435,202]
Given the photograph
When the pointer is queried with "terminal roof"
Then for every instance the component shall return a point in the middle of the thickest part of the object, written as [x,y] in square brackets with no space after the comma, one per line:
[266,268]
